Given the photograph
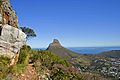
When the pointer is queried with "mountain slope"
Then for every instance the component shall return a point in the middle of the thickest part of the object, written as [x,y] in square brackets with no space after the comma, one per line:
[72,57]
[61,51]
[113,53]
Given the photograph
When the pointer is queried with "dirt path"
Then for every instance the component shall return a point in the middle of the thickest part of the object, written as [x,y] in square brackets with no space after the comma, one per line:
[29,74]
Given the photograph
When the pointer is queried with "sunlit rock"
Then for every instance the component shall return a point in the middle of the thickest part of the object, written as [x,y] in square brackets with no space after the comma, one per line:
[11,40]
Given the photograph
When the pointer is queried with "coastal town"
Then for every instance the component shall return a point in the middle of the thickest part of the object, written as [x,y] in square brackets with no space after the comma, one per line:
[108,67]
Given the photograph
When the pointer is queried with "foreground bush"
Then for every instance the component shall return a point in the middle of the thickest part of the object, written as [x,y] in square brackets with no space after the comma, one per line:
[58,68]
[4,67]
[46,64]
[7,71]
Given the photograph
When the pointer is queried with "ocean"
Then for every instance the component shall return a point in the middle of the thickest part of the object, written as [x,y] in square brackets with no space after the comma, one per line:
[92,50]
[89,50]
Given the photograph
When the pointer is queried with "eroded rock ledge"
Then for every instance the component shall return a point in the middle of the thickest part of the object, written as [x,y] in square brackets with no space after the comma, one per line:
[11,37]
[11,40]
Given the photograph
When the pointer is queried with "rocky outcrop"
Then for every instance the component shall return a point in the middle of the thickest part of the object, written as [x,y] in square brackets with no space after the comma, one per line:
[7,14]
[11,37]
[55,44]
[11,40]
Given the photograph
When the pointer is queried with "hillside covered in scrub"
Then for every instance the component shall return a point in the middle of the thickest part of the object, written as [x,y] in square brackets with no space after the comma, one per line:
[18,61]
[40,65]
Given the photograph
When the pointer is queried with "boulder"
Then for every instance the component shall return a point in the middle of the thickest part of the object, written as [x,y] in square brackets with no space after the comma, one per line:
[11,40]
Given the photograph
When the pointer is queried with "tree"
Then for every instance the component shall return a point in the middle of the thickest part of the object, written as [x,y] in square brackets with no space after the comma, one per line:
[29,32]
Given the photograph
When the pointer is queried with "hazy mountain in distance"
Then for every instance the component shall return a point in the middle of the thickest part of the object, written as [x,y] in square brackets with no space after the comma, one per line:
[113,53]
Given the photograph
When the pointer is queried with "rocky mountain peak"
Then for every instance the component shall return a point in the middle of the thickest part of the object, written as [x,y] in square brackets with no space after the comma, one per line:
[58,49]
[55,43]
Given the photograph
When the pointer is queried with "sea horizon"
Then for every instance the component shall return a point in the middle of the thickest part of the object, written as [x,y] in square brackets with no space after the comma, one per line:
[88,50]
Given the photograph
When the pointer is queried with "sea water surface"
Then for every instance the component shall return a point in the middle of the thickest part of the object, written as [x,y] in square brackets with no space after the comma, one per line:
[92,50]
[89,50]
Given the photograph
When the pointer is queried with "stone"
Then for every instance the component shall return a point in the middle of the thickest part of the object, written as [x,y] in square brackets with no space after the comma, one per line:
[7,14]
[11,37]
[11,40]
[55,44]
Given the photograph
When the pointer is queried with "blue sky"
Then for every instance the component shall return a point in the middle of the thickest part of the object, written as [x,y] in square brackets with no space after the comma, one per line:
[76,23]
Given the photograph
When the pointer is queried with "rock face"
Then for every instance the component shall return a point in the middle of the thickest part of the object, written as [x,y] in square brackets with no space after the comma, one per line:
[7,14]
[55,44]
[11,40]
[11,37]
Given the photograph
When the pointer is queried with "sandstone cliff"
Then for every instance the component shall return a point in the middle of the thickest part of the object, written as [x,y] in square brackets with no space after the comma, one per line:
[11,37]
[7,14]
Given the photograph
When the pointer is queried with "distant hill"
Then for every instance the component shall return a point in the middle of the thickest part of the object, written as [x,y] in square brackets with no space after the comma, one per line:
[113,53]
[63,52]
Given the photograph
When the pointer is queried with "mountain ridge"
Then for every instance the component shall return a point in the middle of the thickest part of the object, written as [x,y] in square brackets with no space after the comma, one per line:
[112,53]
[58,49]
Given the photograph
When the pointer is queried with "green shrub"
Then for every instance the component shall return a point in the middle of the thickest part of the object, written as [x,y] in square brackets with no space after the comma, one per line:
[24,55]
[47,58]
[4,67]
[59,69]
[61,72]
[0,2]
[23,60]
[17,69]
